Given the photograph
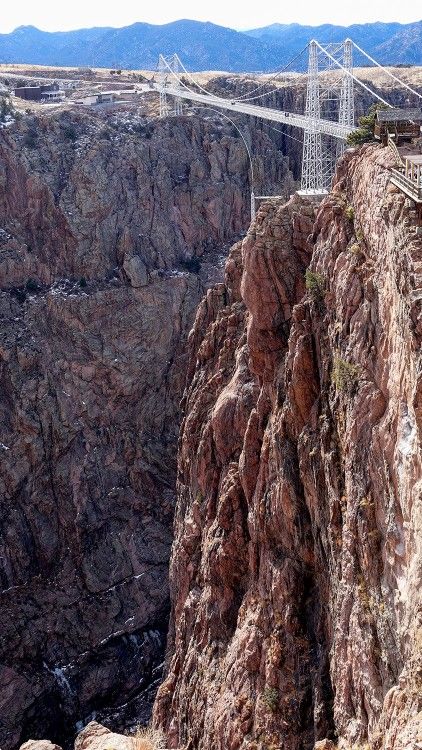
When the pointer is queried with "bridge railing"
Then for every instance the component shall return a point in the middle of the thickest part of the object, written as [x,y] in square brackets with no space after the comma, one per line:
[394,149]
[411,188]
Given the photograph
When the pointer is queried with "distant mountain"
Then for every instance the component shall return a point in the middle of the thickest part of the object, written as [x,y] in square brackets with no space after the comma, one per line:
[203,46]
[389,43]
[406,45]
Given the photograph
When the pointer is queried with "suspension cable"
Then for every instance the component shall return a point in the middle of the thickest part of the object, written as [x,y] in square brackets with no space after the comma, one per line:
[218,112]
[279,72]
[396,78]
[198,85]
[243,97]
[277,130]
[352,75]
[182,83]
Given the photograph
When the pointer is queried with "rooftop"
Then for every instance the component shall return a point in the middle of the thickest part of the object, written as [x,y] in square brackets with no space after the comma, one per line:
[414,158]
[397,115]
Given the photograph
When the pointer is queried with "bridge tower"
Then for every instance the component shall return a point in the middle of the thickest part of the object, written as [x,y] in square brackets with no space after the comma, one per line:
[166,68]
[312,181]
[346,114]
[319,154]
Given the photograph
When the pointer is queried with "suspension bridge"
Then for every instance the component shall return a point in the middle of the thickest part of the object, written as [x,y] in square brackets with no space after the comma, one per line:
[324,137]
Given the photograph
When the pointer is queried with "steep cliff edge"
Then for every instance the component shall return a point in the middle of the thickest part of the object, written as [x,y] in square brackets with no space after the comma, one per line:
[296,571]
[100,221]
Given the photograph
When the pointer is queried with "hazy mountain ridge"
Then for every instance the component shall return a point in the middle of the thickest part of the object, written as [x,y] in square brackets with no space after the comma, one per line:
[203,46]
[388,42]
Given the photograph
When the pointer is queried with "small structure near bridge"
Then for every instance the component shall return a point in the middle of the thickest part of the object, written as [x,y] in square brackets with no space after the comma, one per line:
[98,97]
[46,92]
[399,124]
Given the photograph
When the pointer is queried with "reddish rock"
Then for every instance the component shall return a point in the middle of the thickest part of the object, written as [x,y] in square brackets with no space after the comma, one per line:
[39,745]
[96,301]
[97,737]
[295,571]
[325,745]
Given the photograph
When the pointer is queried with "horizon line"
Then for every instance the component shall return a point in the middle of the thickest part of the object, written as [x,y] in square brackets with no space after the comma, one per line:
[194,20]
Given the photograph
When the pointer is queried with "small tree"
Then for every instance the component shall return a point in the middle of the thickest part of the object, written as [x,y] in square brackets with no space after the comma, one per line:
[6,108]
[365,131]
[344,375]
[315,284]
[69,132]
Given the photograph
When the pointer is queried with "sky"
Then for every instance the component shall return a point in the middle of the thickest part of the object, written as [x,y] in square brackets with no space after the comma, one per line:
[51,15]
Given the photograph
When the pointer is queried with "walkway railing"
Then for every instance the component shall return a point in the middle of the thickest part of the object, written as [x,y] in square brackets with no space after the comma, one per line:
[395,150]
[409,187]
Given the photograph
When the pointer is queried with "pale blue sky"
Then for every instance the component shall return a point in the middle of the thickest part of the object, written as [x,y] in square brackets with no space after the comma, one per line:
[54,15]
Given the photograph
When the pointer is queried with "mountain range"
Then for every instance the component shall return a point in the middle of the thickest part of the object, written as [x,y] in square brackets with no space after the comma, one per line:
[204,46]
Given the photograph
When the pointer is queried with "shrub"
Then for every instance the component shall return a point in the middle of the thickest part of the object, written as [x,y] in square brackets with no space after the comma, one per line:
[270,698]
[344,375]
[349,213]
[192,264]
[147,738]
[30,138]
[70,133]
[6,108]
[355,248]
[365,132]
[315,284]
[32,285]
[82,282]
[144,130]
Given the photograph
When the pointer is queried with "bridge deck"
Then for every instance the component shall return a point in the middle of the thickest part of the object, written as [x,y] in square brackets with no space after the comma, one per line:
[265,113]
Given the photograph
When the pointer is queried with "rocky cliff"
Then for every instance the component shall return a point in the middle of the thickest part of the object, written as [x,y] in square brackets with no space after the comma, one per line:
[296,570]
[102,222]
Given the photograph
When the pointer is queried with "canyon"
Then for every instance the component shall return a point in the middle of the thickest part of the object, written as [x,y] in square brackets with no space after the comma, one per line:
[111,230]
[295,559]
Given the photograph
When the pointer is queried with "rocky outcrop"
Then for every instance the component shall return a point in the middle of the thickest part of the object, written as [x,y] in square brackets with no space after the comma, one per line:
[39,745]
[296,565]
[101,220]
[97,737]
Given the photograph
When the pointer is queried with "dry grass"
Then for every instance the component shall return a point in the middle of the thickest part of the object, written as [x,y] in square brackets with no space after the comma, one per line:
[147,738]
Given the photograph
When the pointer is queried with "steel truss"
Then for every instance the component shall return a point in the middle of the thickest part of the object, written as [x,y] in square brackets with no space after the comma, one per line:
[166,66]
[329,93]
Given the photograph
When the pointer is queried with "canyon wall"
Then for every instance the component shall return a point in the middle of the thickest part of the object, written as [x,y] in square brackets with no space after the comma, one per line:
[110,230]
[296,570]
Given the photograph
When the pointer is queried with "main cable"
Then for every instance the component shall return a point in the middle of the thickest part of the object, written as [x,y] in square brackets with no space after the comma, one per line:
[283,70]
[396,78]
[333,59]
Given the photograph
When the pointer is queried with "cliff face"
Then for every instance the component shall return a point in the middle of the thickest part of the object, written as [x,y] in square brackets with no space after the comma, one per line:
[296,568]
[99,220]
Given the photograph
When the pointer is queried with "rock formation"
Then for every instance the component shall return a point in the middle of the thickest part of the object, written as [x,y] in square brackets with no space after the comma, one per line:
[296,570]
[100,220]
